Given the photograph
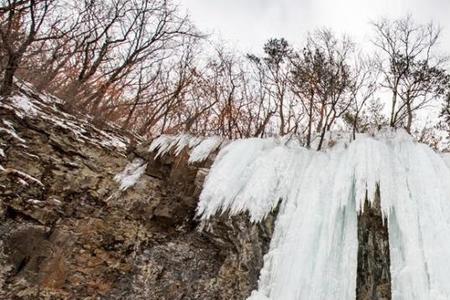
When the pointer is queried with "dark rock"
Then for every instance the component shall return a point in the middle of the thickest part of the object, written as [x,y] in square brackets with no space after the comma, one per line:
[374,277]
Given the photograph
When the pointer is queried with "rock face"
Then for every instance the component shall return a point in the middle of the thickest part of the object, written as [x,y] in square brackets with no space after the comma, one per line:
[374,277]
[68,230]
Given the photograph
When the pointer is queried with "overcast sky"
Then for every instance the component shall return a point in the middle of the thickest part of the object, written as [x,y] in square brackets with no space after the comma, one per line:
[247,24]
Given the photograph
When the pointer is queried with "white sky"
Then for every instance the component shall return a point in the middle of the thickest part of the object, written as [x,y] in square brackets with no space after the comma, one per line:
[247,24]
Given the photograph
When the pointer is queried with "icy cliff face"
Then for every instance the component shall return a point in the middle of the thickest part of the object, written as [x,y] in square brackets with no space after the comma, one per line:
[313,252]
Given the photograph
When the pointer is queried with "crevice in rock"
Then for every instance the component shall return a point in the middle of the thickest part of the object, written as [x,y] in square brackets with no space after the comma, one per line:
[373,274]
[15,214]
[21,265]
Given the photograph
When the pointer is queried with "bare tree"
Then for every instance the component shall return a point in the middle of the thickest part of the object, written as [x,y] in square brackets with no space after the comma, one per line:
[275,66]
[364,85]
[265,106]
[21,24]
[411,69]
[167,94]
[321,78]
[152,29]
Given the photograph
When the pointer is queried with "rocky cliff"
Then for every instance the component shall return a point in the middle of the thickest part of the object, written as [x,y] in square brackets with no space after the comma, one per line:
[70,230]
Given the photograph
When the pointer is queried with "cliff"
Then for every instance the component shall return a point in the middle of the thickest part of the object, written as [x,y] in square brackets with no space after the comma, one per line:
[68,230]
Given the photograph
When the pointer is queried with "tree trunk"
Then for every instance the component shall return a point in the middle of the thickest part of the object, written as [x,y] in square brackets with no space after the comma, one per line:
[394,103]
[355,125]
[308,137]
[410,115]
[10,71]
[133,109]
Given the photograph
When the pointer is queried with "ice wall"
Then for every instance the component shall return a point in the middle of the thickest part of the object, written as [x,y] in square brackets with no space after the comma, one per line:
[313,252]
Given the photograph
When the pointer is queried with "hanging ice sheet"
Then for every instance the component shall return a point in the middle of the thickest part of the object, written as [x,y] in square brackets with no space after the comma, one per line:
[313,252]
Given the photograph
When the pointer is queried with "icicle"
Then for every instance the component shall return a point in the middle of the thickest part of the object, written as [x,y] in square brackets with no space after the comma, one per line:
[204,149]
[166,143]
[131,174]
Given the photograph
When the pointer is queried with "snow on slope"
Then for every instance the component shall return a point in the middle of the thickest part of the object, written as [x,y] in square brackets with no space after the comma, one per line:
[313,250]
[28,103]
[34,107]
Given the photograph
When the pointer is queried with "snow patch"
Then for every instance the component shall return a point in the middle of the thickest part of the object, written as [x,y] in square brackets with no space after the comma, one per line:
[24,104]
[41,105]
[23,177]
[12,133]
[35,202]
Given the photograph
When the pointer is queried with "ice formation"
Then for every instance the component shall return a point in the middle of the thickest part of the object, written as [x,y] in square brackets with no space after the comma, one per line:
[204,149]
[313,252]
[131,174]
[200,148]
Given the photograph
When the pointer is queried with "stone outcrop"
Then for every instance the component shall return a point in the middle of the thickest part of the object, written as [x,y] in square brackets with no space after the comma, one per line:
[67,231]
[374,277]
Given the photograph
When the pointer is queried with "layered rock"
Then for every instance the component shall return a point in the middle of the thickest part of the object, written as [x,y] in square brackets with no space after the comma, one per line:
[67,230]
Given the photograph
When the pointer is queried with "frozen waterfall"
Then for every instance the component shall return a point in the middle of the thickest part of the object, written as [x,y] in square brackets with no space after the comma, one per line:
[313,252]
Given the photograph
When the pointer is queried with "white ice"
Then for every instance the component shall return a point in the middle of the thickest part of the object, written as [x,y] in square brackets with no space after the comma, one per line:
[313,252]
[163,144]
[199,148]
[204,149]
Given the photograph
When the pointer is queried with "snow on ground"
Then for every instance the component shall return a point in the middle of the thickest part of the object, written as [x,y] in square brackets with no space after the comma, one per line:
[200,148]
[29,89]
[131,174]
[313,250]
